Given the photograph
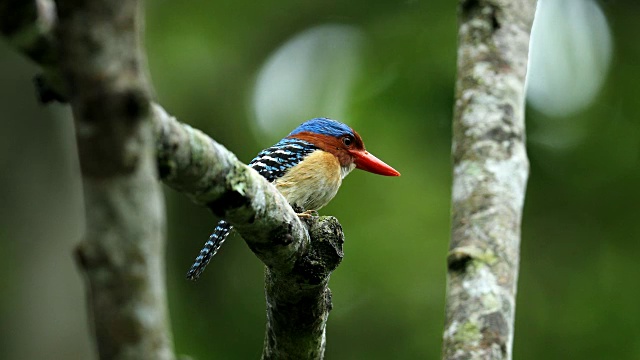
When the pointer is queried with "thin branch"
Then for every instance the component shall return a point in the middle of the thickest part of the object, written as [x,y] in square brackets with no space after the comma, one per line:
[489,178]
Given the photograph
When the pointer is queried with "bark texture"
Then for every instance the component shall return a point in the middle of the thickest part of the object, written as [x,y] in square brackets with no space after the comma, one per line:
[490,170]
[299,256]
[299,301]
[122,255]
[194,164]
[94,60]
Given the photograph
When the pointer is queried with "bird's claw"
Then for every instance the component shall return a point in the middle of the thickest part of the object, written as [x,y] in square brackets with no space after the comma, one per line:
[308,214]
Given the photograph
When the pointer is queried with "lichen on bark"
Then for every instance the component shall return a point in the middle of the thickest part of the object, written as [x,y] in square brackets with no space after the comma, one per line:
[490,170]
[299,255]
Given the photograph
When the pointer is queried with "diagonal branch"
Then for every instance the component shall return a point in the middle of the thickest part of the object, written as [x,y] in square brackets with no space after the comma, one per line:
[192,163]
[489,178]
[125,141]
[297,273]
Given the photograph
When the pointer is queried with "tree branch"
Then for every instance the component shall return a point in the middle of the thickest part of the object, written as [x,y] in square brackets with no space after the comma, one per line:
[96,51]
[489,178]
[298,270]
[192,163]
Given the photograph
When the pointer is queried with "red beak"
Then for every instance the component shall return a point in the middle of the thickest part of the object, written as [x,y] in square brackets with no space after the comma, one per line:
[367,162]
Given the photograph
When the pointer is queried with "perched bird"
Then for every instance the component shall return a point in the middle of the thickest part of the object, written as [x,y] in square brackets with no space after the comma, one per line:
[307,167]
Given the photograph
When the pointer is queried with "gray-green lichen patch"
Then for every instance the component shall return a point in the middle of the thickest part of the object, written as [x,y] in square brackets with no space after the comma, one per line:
[510,176]
[491,302]
[468,333]
[237,180]
[480,282]
[467,176]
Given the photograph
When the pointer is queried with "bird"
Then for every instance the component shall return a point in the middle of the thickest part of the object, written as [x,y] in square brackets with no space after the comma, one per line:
[307,167]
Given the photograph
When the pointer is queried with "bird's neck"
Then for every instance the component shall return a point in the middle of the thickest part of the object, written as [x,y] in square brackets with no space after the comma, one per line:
[345,170]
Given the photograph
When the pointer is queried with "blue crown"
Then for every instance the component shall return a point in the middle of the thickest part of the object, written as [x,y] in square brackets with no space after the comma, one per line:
[323,126]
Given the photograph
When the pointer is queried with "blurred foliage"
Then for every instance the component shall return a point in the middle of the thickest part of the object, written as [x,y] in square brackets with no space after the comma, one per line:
[577,294]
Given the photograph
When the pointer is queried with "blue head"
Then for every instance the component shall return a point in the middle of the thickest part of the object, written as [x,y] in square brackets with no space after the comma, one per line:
[324,126]
[340,140]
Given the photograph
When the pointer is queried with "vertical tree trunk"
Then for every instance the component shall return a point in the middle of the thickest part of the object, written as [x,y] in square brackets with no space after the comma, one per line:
[489,178]
[122,255]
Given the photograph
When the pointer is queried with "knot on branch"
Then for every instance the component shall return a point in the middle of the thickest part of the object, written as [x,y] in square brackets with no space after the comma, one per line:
[486,10]
[460,257]
[235,196]
[325,251]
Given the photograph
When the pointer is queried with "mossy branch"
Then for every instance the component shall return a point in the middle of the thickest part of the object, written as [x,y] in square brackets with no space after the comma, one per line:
[297,268]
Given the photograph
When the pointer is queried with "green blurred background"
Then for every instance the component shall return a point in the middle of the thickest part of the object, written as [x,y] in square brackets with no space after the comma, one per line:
[246,73]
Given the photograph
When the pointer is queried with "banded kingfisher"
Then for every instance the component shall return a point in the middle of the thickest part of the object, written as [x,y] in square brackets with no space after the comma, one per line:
[307,167]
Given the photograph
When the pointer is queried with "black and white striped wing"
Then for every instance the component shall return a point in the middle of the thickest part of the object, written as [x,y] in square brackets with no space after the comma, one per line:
[271,163]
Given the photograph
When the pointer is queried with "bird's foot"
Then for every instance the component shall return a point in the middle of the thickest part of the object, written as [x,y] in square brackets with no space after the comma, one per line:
[308,214]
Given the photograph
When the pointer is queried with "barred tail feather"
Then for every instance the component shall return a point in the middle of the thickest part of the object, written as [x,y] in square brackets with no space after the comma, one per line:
[209,250]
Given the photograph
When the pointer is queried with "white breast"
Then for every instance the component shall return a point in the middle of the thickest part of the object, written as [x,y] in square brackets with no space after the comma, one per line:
[345,170]
[314,182]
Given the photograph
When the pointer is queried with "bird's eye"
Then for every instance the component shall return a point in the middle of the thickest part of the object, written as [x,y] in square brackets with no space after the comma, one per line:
[347,141]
